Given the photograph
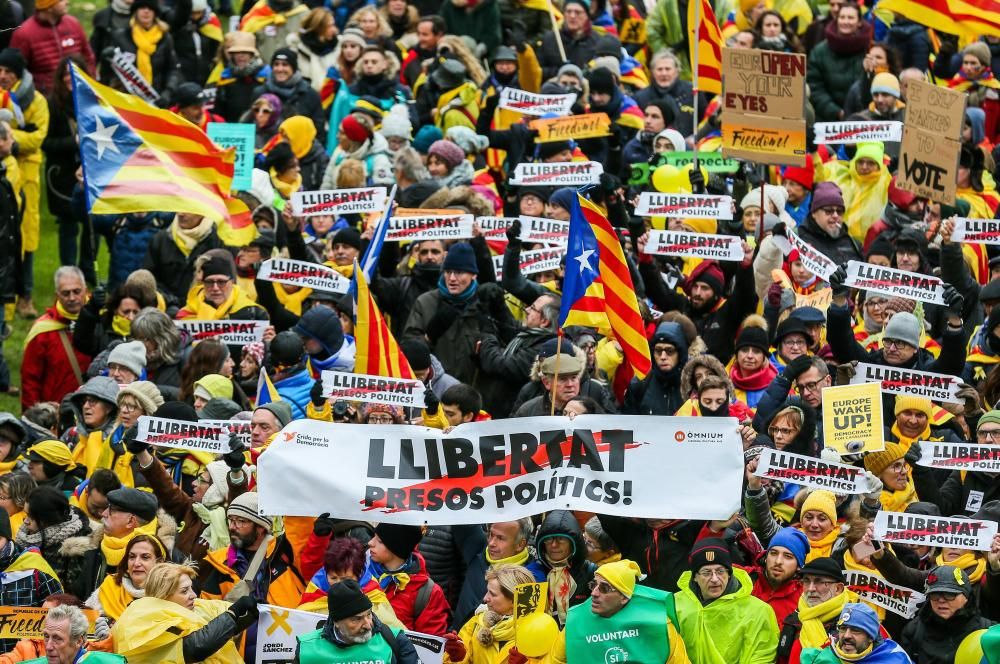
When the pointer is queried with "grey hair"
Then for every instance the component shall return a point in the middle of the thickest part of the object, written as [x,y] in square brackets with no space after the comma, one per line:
[18,485]
[153,325]
[78,622]
[68,271]
[820,365]
[409,163]
[664,53]
[550,311]
[525,526]
[594,528]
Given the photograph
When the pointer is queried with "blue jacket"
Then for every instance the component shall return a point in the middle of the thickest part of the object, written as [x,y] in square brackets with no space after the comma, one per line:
[295,390]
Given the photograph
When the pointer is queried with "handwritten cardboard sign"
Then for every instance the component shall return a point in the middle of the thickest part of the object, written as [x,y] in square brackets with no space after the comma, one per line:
[763,82]
[936,109]
[591,125]
[764,139]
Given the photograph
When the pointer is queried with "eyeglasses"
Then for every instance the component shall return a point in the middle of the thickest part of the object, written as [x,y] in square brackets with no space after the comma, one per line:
[707,574]
[215,283]
[784,431]
[809,387]
[895,343]
[91,401]
[3,497]
[262,111]
[203,480]
[794,341]
[898,467]
[129,406]
[817,583]
[875,304]
[238,522]
[532,307]
[601,587]
[665,351]
[989,434]
[380,419]
[832,209]
[947,597]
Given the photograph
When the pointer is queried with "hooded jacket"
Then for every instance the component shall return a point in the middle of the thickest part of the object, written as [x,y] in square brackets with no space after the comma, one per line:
[561,523]
[932,640]
[659,392]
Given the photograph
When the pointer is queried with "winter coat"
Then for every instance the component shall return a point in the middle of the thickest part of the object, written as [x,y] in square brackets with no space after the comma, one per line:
[196,50]
[931,640]
[659,392]
[434,617]
[911,42]
[783,600]
[106,21]
[373,153]
[46,370]
[62,158]
[736,628]
[43,45]
[294,390]
[297,98]
[662,553]
[580,49]
[444,561]
[312,167]
[386,89]
[838,249]
[50,540]
[314,58]
[561,523]
[10,241]
[479,21]
[166,67]
[397,295]
[279,581]
[173,270]
[508,368]
[680,96]
[234,92]
[832,68]
[589,387]
[455,344]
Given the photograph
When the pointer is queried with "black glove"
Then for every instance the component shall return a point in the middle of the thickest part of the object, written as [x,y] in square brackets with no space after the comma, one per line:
[913,454]
[779,229]
[610,183]
[431,402]
[323,527]
[29,128]
[493,299]
[98,298]
[316,394]
[837,280]
[131,444]
[514,234]
[697,179]
[518,36]
[797,367]
[443,318]
[244,608]
[953,300]
[235,457]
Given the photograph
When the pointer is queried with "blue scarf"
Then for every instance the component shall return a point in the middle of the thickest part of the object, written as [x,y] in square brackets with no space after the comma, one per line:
[379,574]
[462,299]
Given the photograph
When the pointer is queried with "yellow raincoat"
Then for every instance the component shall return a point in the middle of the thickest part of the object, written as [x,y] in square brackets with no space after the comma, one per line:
[865,196]
[458,107]
[29,160]
[150,631]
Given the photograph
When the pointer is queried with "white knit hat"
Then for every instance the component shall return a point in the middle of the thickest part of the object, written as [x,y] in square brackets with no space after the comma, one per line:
[261,187]
[396,123]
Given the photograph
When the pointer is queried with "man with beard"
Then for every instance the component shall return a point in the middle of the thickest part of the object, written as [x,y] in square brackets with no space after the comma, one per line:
[775,578]
[859,639]
[397,295]
[353,633]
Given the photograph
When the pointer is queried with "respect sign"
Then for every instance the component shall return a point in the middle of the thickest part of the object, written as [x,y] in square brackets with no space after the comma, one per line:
[229,332]
[546,231]
[429,227]
[560,174]
[960,456]
[876,590]
[894,283]
[484,471]
[338,201]
[304,274]
[858,132]
[812,260]
[811,472]
[531,103]
[934,531]
[181,434]
[896,380]
[852,418]
[712,162]
[696,206]
[695,245]
[978,231]
[405,392]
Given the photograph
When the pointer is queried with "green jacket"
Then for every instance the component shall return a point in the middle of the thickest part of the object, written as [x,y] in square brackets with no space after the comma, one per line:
[481,23]
[737,628]
[89,657]
[663,30]
[830,76]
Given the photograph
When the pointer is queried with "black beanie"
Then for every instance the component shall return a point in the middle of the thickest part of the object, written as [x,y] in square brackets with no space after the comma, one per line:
[753,337]
[417,353]
[602,81]
[710,551]
[218,265]
[348,236]
[552,148]
[666,110]
[12,59]
[177,410]
[346,599]
[400,540]
[286,55]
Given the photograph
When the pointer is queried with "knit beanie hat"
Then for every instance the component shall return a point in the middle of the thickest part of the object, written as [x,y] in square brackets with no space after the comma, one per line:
[460,258]
[821,501]
[873,150]
[447,152]
[218,408]
[256,351]
[245,507]
[709,273]
[901,305]
[880,247]
[992,416]
[602,81]
[281,411]
[826,194]
[286,55]
[146,393]
[400,540]
[211,386]
[346,599]
[675,137]
[131,355]
[426,136]
[417,353]
[909,402]
[754,337]
[877,462]
[12,59]
[622,574]
[396,124]
[905,327]
[465,138]
[981,51]
[353,36]
[571,69]
[552,148]
[219,265]
[899,197]
[803,175]
[349,236]
[354,130]
[710,551]
[862,617]
[794,540]
[886,83]
[177,410]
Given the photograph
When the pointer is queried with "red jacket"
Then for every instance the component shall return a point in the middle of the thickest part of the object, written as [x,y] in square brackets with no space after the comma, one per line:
[44,45]
[783,600]
[435,616]
[46,372]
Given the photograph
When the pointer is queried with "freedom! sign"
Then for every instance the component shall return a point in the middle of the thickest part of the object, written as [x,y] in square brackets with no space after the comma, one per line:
[935,531]
[505,469]
[894,283]
[304,274]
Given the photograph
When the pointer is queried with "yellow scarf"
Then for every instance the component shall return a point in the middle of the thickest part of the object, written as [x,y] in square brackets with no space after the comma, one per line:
[145,45]
[897,501]
[821,548]
[907,442]
[65,314]
[187,239]
[519,558]
[113,597]
[292,301]
[851,564]
[613,558]
[286,189]
[16,519]
[113,548]
[343,270]
[121,326]
[973,565]
[380,607]
[8,467]
[852,657]
[814,634]
[500,632]
[237,301]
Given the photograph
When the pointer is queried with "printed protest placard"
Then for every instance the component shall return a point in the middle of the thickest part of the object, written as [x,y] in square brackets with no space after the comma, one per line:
[241,137]
[811,472]
[547,231]
[277,629]
[695,245]
[930,149]
[495,228]
[763,82]
[531,103]
[812,260]
[533,262]
[482,471]
[408,228]
[304,274]
[712,162]
[858,131]
[25,622]
[764,140]
[430,648]
[897,380]
[934,531]
[852,418]
[590,125]
[876,590]
[230,332]
[695,206]
[338,201]
[894,283]
[197,436]
[229,427]
[373,389]
[557,174]
[960,456]
[978,231]
[530,598]
[123,65]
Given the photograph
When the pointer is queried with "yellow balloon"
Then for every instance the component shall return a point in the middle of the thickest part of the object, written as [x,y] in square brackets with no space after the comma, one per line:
[970,651]
[535,634]
[664,177]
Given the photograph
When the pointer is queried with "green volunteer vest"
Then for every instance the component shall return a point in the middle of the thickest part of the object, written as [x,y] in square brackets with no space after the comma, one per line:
[314,649]
[92,657]
[637,633]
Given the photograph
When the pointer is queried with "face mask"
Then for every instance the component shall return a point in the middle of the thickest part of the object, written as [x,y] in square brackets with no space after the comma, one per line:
[721,411]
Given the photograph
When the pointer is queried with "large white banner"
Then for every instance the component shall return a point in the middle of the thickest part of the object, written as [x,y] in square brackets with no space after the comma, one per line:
[647,467]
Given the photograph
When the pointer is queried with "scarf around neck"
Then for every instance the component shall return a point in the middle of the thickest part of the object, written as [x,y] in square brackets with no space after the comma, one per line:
[146,40]
[758,380]
[822,547]
[187,239]
[51,535]
[897,501]
[814,618]
[907,442]
[113,548]
[115,597]
[562,586]
[65,314]
[973,565]
[494,628]
[519,558]
[377,573]
[286,189]
[461,300]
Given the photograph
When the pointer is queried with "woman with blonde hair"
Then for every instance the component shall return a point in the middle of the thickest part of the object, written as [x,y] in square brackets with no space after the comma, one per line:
[316,45]
[170,624]
[376,29]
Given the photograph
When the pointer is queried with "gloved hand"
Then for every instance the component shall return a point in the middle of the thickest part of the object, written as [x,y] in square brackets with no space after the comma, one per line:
[443,318]
[235,457]
[697,179]
[830,455]
[913,455]
[953,300]
[797,367]
[610,183]
[102,629]
[98,298]
[515,657]
[431,402]
[323,526]
[514,234]
[787,299]
[518,36]
[493,298]
[774,295]
[454,647]
[779,229]
[846,371]
[131,444]
[837,280]
[316,394]
[875,487]
[971,398]
[244,608]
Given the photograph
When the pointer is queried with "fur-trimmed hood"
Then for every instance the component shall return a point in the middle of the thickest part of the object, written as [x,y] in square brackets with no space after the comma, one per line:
[166,531]
[459,197]
[711,363]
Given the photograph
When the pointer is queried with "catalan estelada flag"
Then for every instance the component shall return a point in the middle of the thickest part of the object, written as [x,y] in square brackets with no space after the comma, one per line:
[266,391]
[377,353]
[139,158]
[957,17]
[705,36]
[597,288]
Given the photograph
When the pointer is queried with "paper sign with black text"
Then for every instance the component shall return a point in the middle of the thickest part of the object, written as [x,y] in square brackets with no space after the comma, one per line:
[812,260]
[495,228]
[373,389]
[934,108]
[533,262]
[934,531]
[695,245]
[455,226]
[303,273]
[230,332]
[338,201]
[483,471]
[960,456]
[25,622]
[897,380]
[811,472]
[229,427]
[852,418]
[277,628]
[894,283]
[931,146]
[184,435]
[123,65]
[858,132]
[430,648]
[239,136]
[547,231]
[692,206]
[531,103]
[876,590]
[978,231]
[557,174]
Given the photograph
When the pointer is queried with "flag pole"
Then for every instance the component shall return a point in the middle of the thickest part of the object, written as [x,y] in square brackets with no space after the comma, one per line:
[694,46]
[555,375]
[555,30]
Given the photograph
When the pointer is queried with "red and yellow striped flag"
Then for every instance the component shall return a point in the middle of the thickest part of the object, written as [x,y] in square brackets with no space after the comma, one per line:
[705,36]
[973,18]
[377,353]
